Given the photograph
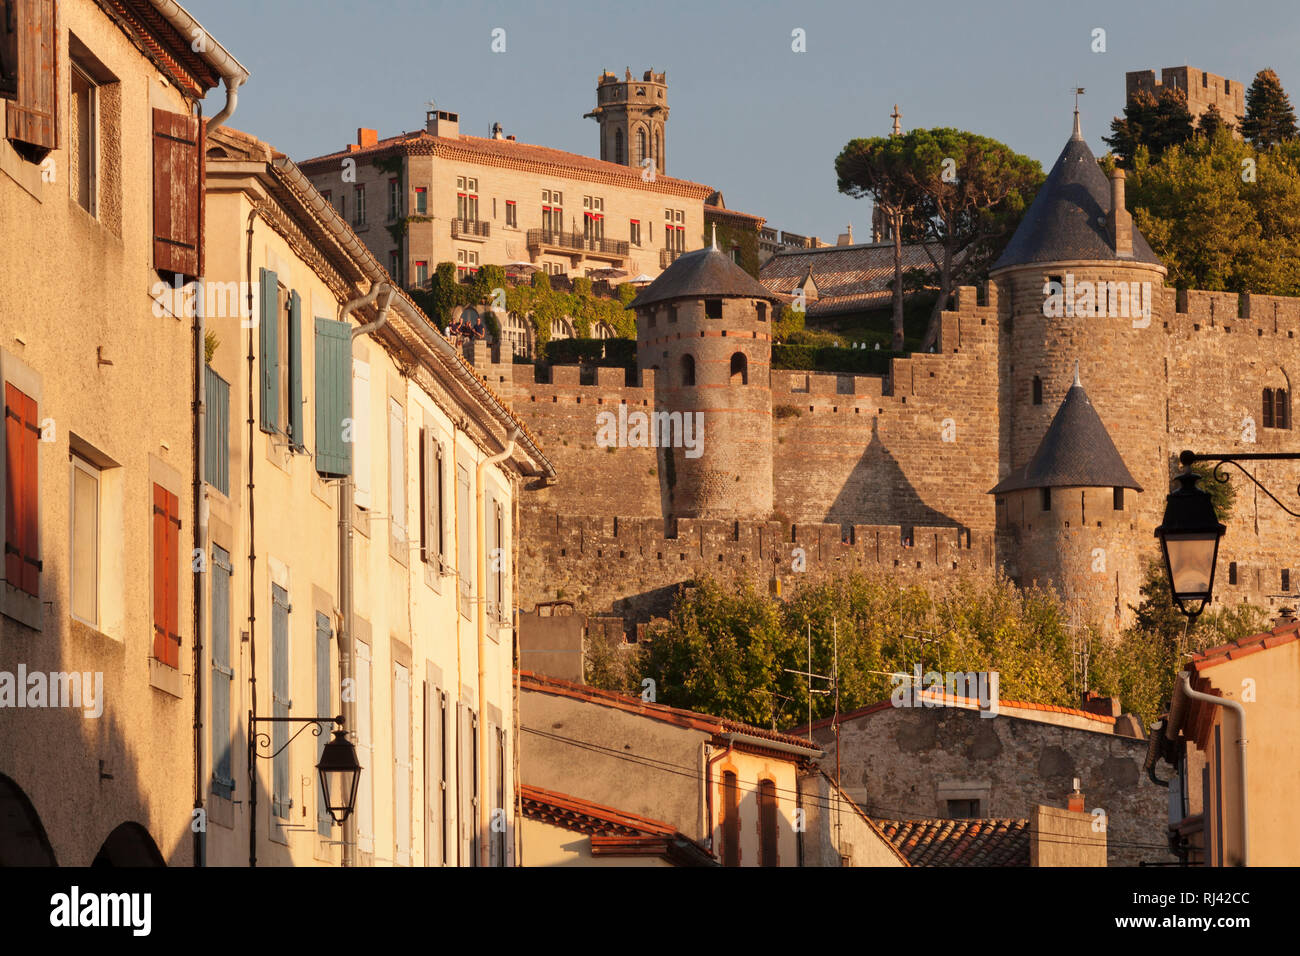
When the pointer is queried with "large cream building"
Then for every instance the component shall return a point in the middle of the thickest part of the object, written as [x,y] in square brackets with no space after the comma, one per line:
[358,403]
[100,171]
[438,195]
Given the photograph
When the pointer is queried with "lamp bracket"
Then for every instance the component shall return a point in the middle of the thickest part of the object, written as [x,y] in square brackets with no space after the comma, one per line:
[1188,458]
[262,739]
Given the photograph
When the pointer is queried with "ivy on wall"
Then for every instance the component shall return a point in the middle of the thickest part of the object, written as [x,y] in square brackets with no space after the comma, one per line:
[741,238]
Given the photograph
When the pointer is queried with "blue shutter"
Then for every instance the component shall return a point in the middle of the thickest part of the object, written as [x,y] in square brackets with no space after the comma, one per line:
[323,821]
[295,371]
[216,464]
[270,342]
[280,802]
[222,674]
[333,397]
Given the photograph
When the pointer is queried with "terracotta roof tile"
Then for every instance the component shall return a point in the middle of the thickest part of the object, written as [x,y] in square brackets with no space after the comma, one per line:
[865,270]
[1282,634]
[960,842]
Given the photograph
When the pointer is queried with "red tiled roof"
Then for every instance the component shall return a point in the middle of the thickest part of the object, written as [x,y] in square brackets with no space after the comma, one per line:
[672,715]
[960,842]
[733,213]
[965,703]
[612,832]
[514,154]
[165,45]
[1282,634]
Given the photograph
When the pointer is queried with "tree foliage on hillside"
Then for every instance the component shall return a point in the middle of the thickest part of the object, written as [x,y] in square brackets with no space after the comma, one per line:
[1222,215]
[726,650]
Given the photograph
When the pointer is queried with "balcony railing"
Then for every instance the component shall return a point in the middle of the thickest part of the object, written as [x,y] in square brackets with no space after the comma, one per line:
[667,256]
[543,238]
[470,229]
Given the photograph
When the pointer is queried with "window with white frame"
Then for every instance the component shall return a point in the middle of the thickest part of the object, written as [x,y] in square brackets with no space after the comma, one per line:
[359,206]
[466,198]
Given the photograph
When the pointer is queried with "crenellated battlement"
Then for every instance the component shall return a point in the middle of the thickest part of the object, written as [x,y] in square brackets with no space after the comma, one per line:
[1195,310]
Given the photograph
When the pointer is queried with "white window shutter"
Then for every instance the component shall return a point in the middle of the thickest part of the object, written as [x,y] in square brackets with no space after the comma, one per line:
[361,460]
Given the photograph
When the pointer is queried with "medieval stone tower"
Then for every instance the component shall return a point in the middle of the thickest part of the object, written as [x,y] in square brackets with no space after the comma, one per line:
[632,115]
[1085,299]
[704,327]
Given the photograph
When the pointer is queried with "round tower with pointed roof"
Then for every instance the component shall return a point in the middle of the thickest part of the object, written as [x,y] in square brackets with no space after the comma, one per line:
[704,328]
[1079,283]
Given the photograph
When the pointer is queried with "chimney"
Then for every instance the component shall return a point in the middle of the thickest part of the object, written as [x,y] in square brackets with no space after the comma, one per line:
[1285,616]
[497,131]
[1103,706]
[511,138]
[1074,802]
[367,137]
[442,123]
[1119,220]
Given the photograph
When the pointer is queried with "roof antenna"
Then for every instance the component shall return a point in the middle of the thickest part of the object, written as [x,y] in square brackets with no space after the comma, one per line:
[715,236]
[1078,131]
[1077,383]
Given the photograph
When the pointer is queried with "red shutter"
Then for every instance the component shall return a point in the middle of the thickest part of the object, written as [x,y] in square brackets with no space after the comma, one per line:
[166,577]
[33,113]
[177,193]
[22,539]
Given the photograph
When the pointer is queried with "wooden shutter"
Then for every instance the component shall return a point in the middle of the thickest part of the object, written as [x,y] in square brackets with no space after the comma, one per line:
[730,820]
[295,371]
[401,765]
[177,193]
[767,824]
[1282,414]
[269,326]
[323,821]
[280,801]
[166,577]
[397,470]
[361,431]
[1267,421]
[432,463]
[222,673]
[33,112]
[22,529]
[216,451]
[333,397]
[365,753]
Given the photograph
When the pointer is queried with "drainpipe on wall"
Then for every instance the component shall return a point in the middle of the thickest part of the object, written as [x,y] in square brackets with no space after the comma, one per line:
[1236,707]
[485,852]
[347,493]
[200,535]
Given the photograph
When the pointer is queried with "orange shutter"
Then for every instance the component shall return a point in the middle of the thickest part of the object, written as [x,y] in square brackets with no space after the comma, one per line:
[22,539]
[177,193]
[33,113]
[166,577]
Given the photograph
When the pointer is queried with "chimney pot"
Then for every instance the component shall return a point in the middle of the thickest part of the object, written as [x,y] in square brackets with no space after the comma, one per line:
[1120,222]
[367,137]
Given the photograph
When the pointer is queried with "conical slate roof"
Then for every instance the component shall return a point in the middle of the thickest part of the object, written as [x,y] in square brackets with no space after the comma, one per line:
[1067,219]
[705,273]
[1076,452]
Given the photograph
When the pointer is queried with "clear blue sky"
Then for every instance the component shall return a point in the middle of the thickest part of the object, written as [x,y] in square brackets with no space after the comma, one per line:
[748,115]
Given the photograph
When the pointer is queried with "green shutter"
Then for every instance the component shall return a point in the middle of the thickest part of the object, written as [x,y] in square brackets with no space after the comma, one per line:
[280,793]
[222,675]
[323,684]
[216,455]
[333,397]
[295,371]
[270,341]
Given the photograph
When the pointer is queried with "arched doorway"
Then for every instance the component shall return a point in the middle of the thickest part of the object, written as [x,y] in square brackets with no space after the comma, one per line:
[129,845]
[22,835]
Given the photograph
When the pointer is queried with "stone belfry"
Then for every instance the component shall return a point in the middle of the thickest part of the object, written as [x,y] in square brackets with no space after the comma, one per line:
[632,115]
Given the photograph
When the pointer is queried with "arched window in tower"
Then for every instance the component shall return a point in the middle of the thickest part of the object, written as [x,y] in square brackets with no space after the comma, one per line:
[618,147]
[640,147]
[659,151]
[1276,404]
[1038,390]
[688,370]
[739,369]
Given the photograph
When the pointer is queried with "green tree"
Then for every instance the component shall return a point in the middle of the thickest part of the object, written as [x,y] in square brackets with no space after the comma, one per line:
[442,295]
[1222,215]
[974,191]
[1154,123]
[1212,123]
[876,168]
[1269,117]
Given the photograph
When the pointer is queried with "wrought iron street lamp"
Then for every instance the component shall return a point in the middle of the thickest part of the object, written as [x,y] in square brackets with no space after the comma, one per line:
[1189,535]
[339,768]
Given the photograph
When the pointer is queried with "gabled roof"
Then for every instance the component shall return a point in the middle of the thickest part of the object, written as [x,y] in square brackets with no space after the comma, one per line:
[543,684]
[960,842]
[848,278]
[1075,452]
[704,273]
[1067,219]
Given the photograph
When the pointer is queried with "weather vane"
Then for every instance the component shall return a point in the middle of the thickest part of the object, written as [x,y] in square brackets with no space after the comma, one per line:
[1078,91]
